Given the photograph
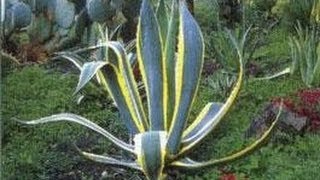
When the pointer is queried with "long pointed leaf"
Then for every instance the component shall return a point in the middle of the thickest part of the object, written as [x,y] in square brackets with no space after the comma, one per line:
[110,160]
[203,119]
[87,73]
[188,69]
[72,57]
[162,17]
[83,121]
[114,82]
[170,58]
[118,80]
[149,51]
[131,87]
[191,164]
[216,119]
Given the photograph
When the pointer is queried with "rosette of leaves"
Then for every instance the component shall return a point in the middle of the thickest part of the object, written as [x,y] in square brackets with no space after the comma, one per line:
[305,54]
[162,136]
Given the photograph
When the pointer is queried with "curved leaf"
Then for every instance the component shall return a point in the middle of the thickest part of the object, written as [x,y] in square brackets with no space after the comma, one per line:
[202,121]
[169,59]
[109,160]
[188,70]
[83,121]
[88,71]
[130,87]
[216,119]
[149,52]
[73,58]
[191,164]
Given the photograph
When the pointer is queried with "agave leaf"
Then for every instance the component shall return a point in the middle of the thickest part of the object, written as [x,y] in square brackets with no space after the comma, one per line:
[149,52]
[109,160]
[294,56]
[283,72]
[316,70]
[72,57]
[188,69]
[169,59]
[150,148]
[204,119]
[130,86]
[120,84]
[191,164]
[162,17]
[114,84]
[88,71]
[216,117]
[83,121]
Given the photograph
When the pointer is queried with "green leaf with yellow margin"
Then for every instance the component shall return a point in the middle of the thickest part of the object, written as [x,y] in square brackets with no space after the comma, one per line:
[149,52]
[188,163]
[83,121]
[170,59]
[187,74]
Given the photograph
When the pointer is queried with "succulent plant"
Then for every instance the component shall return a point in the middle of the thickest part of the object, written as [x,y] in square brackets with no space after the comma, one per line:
[18,15]
[100,10]
[64,13]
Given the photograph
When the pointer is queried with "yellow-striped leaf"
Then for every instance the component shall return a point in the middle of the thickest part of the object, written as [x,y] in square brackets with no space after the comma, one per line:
[162,17]
[170,59]
[187,74]
[83,121]
[204,119]
[191,164]
[149,51]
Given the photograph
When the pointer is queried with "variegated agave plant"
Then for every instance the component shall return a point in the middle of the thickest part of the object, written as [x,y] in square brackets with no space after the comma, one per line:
[162,135]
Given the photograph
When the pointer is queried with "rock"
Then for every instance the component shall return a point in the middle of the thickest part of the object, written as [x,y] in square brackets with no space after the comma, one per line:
[289,121]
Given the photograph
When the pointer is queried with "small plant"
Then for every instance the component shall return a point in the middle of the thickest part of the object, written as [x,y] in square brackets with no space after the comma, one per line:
[224,50]
[290,11]
[305,54]
[162,136]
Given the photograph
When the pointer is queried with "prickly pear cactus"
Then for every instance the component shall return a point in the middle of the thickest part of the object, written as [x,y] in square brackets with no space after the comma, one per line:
[100,10]
[64,13]
[18,15]
[55,25]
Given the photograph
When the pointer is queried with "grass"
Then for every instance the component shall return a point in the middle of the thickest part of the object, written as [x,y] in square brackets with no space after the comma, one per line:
[297,159]
[46,152]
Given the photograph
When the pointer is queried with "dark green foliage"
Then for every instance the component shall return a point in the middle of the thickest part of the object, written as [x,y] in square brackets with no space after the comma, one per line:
[291,11]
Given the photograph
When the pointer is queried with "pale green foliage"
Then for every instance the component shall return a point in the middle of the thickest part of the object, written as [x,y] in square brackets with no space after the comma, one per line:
[305,54]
